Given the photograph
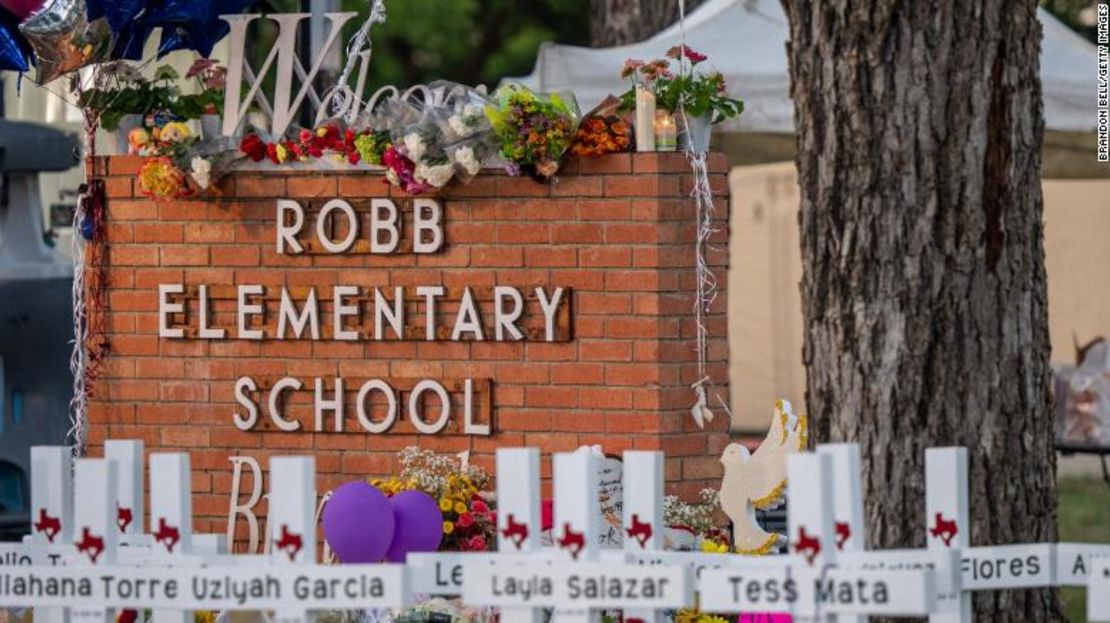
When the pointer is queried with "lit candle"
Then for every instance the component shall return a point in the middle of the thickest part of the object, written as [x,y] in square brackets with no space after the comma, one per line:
[666,133]
[645,119]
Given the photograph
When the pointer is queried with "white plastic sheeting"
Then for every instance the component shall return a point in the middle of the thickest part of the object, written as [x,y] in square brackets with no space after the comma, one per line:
[746,40]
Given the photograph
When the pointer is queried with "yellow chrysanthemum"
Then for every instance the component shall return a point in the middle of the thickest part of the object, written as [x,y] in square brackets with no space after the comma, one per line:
[460,507]
[445,505]
[448,527]
[159,178]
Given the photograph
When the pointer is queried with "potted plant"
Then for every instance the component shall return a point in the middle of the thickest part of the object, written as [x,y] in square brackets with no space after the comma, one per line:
[127,97]
[702,98]
[208,101]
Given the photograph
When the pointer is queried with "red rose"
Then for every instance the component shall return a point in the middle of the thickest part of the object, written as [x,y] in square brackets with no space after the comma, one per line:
[253,147]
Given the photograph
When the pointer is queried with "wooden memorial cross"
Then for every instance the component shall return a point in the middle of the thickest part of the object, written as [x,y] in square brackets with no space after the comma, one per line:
[519,519]
[576,521]
[291,519]
[847,504]
[171,518]
[642,510]
[851,532]
[127,455]
[51,509]
[95,526]
[947,521]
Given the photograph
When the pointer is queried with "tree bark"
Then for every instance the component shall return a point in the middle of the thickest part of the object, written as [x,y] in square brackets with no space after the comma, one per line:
[919,127]
[620,22]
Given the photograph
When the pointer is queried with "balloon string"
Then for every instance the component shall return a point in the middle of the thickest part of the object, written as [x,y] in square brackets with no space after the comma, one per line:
[702,193]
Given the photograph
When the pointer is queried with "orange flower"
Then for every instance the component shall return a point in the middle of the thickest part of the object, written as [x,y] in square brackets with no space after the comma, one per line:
[160,178]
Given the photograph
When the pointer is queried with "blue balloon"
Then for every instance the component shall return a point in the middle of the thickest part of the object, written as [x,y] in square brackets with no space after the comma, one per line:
[193,24]
[14,49]
[130,41]
[120,13]
[94,9]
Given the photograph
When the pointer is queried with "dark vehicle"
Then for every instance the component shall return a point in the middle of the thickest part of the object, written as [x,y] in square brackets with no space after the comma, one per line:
[36,325]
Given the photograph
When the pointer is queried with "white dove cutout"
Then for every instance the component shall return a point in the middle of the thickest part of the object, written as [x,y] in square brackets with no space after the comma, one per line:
[758,480]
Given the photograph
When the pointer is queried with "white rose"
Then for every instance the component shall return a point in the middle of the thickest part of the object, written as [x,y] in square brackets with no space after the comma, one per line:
[458,126]
[465,156]
[414,146]
[201,171]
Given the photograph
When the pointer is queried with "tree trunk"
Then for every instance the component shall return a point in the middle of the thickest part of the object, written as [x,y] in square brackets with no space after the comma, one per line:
[620,22]
[919,132]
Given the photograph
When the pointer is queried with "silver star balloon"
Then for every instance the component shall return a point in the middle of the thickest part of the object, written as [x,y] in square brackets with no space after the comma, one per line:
[64,40]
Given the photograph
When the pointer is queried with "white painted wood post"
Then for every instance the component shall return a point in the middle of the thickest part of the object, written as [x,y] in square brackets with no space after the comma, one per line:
[51,508]
[642,519]
[576,524]
[947,520]
[127,455]
[292,531]
[94,521]
[848,525]
[171,517]
[811,531]
[519,519]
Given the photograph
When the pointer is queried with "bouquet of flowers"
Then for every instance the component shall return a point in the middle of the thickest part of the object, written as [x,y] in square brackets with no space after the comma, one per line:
[331,141]
[535,129]
[602,131]
[469,521]
[417,160]
[469,135]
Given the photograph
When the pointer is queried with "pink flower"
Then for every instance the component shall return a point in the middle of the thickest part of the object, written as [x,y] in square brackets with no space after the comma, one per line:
[465,520]
[476,543]
[630,67]
[679,51]
[479,507]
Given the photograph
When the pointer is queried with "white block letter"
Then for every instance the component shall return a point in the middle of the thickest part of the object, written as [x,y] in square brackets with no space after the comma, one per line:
[249,309]
[386,222]
[421,222]
[341,311]
[287,233]
[506,321]
[165,308]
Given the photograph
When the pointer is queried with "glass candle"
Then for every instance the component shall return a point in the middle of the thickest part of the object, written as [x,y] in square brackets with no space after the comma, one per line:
[666,132]
[645,119]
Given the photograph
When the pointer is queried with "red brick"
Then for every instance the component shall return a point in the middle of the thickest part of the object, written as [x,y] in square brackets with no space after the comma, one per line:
[312,186]
[158,232]
[622,381]
[184,256]
[260,186]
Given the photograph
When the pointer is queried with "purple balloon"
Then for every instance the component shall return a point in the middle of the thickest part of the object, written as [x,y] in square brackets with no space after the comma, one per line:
[358,522]
[419,525]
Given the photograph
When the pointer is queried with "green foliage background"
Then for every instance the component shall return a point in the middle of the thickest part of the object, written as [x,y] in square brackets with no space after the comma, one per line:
[468,41]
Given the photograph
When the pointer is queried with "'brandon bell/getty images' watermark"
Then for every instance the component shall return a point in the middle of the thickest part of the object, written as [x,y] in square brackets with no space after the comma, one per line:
[1103,82]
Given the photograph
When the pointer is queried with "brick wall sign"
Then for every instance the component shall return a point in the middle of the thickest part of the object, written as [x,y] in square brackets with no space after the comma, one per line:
[292,311]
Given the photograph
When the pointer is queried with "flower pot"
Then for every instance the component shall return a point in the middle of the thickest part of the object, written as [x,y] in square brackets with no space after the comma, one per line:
[694,132]
[210,127]
[126,124]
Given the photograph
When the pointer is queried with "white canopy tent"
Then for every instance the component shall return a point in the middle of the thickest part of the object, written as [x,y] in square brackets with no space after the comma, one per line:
[745,40]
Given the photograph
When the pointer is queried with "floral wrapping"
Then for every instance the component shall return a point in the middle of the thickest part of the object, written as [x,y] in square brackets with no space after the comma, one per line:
[535,129]
[419,161]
